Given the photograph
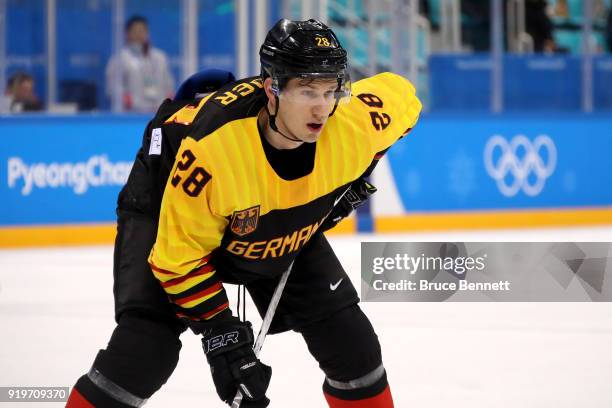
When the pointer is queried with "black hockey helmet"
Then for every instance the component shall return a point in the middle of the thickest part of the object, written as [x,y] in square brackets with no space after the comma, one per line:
[304,49]
[307,49]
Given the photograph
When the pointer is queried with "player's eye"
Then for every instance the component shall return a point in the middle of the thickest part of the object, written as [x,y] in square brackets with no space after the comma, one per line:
[309,93]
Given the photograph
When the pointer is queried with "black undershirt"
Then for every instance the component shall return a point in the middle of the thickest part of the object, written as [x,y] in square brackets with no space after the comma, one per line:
[289,164]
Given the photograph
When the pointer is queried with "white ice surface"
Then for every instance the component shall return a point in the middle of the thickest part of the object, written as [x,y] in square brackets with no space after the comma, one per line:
[56,311]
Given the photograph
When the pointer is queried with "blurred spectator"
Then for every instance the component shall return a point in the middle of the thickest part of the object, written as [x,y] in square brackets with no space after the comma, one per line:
[539,25]
[19,94]
[139,76]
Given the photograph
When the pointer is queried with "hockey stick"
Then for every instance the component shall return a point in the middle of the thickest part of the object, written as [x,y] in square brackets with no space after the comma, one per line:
[265,325]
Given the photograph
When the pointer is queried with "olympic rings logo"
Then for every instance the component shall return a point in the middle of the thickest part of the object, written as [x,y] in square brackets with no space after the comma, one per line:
[520,166]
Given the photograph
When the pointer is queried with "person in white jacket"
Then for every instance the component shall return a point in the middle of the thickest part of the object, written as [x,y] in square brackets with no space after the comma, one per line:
[138,77]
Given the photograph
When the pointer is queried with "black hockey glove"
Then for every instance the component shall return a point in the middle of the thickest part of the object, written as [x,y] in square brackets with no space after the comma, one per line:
[228,346]
[357,194]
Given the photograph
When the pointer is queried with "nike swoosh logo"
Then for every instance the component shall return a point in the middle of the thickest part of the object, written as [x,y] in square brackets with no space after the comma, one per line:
[337,200]
[333,286]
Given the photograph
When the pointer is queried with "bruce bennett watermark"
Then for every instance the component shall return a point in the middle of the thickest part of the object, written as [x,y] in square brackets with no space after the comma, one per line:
[410,265]
[486,271]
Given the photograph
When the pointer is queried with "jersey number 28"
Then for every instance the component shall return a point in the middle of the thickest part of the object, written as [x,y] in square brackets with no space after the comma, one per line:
[197,179]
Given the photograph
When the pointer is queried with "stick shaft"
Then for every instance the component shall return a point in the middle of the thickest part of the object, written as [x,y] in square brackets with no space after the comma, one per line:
[265,325]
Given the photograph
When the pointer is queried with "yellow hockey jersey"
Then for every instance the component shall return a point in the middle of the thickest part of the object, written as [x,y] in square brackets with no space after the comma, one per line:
[226,213]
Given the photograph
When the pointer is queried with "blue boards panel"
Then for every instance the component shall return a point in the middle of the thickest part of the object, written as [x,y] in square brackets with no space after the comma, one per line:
[535,82]
[602,83]
[65,170]
[216,35]
[544,83]
[84,45]
[460,83]
[469,162]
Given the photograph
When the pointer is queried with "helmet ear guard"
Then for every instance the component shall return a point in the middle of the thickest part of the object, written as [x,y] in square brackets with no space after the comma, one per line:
[275,86]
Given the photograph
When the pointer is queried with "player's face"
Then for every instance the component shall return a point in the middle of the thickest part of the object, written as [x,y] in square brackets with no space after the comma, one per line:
[305,105]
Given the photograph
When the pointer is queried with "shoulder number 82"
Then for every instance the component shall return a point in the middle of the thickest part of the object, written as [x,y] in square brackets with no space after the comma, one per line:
[380,120]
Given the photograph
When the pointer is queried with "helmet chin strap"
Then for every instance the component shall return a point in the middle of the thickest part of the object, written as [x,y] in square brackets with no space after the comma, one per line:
[272,121]
[337,97]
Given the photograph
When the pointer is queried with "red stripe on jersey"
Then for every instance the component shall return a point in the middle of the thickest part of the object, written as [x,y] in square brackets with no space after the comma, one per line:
[161,271]
[217,286]
[205,259]
[77,400]
[165,272]
[205,315]
[215,310]
[198,272]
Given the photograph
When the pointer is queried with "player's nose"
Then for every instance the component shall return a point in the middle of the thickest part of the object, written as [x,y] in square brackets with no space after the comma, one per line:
[320,111]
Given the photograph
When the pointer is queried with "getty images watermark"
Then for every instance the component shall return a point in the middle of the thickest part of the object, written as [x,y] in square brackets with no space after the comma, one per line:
[476,271]
[457,266]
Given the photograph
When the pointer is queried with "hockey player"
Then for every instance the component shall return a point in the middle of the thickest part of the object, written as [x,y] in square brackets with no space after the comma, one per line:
[245,181]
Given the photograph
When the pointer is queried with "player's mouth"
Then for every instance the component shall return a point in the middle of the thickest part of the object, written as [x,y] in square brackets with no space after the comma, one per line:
[315,127]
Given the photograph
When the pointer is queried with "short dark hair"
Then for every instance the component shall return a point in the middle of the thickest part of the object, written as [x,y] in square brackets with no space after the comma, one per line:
[135,20]
[17,78]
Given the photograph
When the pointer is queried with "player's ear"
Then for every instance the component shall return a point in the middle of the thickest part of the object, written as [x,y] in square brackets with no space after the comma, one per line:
[267,84]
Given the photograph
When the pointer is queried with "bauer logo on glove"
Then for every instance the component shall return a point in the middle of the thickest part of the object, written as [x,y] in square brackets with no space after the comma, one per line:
[221,340]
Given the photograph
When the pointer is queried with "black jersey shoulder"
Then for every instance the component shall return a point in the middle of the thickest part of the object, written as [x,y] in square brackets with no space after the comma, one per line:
[238,100]
[145,185]
[173,131]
